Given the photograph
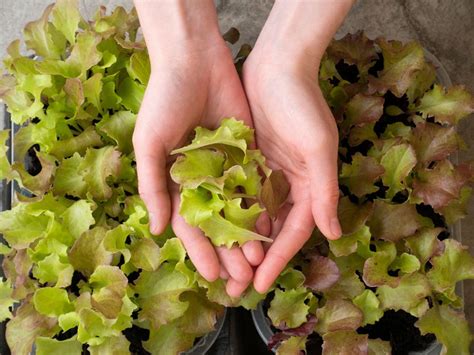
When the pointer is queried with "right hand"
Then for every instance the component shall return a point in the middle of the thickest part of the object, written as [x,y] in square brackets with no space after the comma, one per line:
[189,87]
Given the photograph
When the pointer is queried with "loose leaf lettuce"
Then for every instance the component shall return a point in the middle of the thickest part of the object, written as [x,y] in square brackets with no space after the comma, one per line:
[215,169]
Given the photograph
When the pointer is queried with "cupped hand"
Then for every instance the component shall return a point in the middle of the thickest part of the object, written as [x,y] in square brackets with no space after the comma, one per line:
[297,133]
[189,87]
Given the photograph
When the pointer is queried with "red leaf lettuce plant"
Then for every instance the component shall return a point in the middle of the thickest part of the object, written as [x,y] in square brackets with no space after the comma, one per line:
[400,192]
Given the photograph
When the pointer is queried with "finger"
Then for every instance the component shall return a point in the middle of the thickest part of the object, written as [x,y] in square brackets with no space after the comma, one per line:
[199,248]
[325,192]
[224,274]
[263,225]
[294,233]
[282,215]
[253,252]
[152,176]
[235,263]
[235,288]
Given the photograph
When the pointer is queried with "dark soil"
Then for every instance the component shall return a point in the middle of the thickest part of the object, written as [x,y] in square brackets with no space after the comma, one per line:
[396,327]
[399,328]
[135,336]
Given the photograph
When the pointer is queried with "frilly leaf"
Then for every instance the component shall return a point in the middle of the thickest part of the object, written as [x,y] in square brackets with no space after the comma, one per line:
[447,106]
[453,265]
[449,326]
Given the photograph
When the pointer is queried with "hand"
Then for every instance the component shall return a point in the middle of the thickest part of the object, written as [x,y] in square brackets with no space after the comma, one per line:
[295,128]
[298,134]
[190,85]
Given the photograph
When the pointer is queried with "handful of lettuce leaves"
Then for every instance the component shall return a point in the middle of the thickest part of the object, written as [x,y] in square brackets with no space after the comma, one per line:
[221,186]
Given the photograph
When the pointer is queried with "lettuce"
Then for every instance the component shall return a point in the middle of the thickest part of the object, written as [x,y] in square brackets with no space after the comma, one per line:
[214,172]
[82,268]
[400,193]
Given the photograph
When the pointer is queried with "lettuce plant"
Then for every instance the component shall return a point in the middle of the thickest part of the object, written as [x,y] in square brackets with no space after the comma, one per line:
[83,272]
[400,193]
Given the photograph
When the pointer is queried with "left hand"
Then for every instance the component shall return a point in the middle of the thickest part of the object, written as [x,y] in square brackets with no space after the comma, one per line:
[297,133]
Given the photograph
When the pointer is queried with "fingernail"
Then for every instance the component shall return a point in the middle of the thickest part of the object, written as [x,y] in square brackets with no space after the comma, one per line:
[335,228]
[153,223]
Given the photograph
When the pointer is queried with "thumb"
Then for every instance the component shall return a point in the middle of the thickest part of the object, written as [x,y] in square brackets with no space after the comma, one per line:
[325,190]
[150,156]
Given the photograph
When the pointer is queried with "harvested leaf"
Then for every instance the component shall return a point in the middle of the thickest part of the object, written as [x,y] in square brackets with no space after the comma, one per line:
[275,190]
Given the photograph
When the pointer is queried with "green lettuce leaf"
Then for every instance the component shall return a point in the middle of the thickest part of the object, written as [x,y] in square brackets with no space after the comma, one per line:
[117,345]
[398,162]
[410,295]
[449,326]
[289,308]
[360,175]
[88,252]
[51,301]
[369,304]
[338,315]
[168,340]
[48,346]
[119,127]
[25,326]
[401,63]
[98,165]
[447,106]
[5,169]
[109,288]
[292,345]
[65,17]
[159,293]
[6,300]
[453,265]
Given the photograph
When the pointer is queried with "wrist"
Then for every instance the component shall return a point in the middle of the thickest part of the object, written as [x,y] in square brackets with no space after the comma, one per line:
[178,27]
[297,33]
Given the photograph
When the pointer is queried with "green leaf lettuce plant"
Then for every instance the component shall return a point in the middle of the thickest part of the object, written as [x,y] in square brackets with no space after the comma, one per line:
[82,271]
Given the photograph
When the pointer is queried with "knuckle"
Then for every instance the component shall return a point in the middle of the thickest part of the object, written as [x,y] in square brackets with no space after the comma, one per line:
[276,255]
[243,274]
[327,196]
